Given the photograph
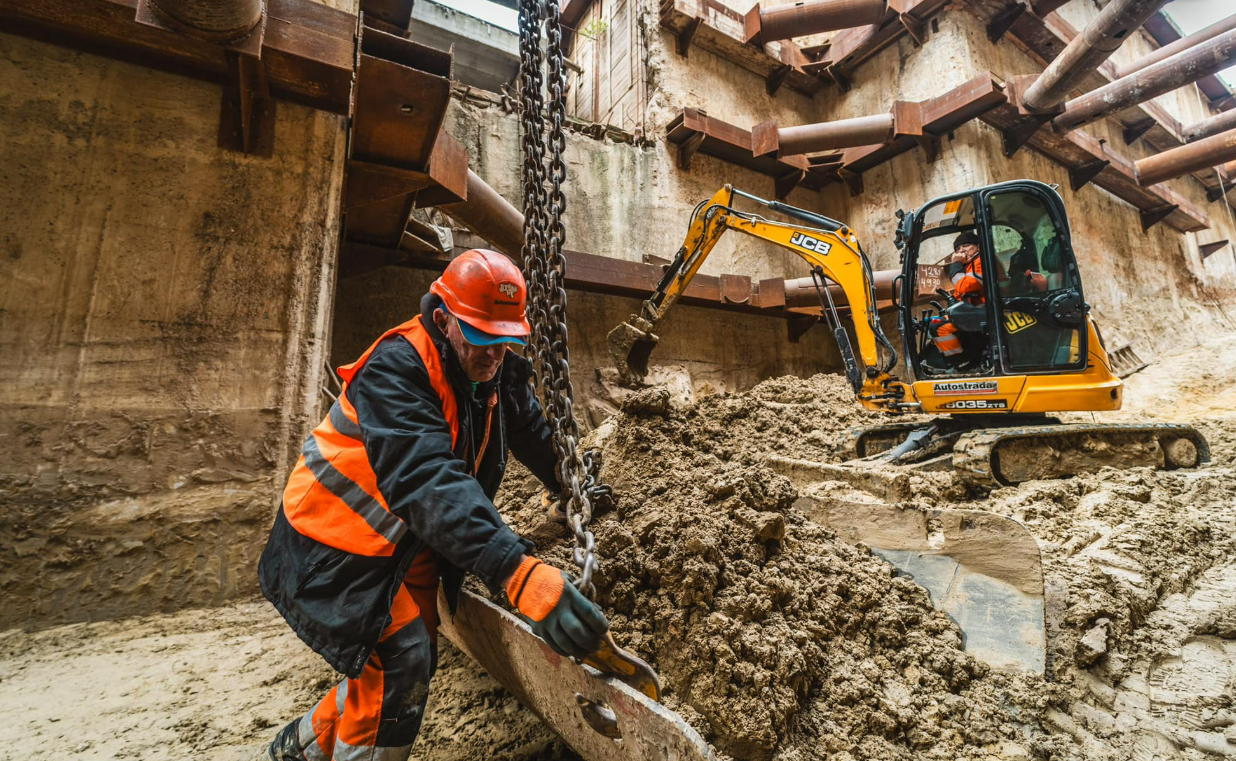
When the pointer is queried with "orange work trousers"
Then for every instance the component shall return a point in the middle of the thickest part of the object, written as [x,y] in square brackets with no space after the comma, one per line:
[377,716]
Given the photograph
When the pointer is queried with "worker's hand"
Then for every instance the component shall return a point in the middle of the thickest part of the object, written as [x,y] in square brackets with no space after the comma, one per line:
[1036,280]
[556,611]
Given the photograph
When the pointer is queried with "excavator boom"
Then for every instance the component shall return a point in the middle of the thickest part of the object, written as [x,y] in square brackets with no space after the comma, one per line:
[833,254]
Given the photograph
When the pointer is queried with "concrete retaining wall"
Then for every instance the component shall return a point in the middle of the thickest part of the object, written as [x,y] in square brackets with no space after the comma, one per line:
[164,311]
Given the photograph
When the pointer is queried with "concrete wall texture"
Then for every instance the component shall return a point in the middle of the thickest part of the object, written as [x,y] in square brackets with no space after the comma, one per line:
[164,310]
[627,200]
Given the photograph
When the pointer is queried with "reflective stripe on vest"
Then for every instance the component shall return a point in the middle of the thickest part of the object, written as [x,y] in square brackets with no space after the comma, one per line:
[332,494]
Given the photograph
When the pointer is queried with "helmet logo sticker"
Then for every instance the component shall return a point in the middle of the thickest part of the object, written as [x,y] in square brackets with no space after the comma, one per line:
[509,289]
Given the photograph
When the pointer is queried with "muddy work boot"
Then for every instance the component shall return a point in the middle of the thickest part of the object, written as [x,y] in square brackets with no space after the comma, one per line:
[285,746]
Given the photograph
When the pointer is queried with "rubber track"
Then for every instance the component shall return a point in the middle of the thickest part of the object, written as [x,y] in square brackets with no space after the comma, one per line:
[972,455]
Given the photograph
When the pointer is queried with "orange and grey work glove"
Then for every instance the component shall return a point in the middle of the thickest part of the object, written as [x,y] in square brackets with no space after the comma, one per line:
[568,622]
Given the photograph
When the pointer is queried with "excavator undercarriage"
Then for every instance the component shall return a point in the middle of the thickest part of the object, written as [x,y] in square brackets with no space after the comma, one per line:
[988,452]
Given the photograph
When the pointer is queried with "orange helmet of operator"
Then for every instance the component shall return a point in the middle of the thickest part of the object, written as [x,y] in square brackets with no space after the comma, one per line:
[486,291]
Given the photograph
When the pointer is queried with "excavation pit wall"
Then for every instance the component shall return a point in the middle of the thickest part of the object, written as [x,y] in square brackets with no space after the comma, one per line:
[164,313]
[629,200]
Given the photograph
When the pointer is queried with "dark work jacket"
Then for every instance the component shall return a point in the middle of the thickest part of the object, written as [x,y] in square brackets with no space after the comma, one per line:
[339,602]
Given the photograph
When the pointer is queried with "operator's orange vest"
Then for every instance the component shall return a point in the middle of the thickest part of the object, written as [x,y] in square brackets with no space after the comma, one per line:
[332,495]
[968,284]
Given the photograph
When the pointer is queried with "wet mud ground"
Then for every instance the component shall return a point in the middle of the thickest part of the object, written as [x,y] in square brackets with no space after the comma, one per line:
[775,639]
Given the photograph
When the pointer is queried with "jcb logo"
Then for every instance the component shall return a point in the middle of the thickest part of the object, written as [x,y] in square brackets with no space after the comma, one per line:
[1017,321]
[809,243]
[509,289]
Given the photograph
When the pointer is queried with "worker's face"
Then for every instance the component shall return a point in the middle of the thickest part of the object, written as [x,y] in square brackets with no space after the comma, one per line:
[965,252]
[480,363]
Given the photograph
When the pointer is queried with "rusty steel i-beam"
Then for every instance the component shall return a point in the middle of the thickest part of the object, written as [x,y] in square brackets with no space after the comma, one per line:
[1151,82]
[1220,122]
[1184,43]
[1094,45]
[809,17]
[1168,165]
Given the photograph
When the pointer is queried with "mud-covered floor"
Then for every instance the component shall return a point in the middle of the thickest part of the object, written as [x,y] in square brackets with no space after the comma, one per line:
[1140,571]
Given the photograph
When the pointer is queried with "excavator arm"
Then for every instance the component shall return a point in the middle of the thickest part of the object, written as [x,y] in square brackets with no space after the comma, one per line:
[834,255]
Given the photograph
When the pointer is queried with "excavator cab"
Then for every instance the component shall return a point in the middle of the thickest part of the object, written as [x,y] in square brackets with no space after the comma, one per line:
[1023,280]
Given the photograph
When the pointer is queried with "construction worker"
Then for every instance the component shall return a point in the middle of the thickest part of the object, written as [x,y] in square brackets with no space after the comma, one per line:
[965,269]
[393,492]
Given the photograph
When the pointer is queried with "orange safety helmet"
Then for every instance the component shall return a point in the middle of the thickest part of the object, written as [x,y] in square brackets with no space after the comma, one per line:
[486,291]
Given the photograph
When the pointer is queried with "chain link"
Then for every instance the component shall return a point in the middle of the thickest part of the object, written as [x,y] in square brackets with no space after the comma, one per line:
[544,172]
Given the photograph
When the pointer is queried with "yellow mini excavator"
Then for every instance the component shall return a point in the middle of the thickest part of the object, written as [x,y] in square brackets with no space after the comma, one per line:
[1019,343]
[1022,345]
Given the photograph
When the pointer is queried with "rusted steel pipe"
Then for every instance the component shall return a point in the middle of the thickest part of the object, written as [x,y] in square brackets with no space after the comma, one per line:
[809,17]
[1091,47]
[1154,80]
[214,20]
[1184,43]
[1210,152]
[800,292]
[490,216]
[824,136]
[1220,122]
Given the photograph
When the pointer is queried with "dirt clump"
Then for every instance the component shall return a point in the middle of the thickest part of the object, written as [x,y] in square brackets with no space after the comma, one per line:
[772,637]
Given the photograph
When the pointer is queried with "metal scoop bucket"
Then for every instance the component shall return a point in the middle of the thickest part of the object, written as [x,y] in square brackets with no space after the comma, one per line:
[630,345]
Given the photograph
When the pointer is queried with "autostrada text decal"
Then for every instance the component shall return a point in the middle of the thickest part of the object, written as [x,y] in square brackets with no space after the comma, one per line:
[964,388]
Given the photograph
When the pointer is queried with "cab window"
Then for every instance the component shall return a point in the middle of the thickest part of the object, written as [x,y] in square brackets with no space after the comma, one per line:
[1035,276]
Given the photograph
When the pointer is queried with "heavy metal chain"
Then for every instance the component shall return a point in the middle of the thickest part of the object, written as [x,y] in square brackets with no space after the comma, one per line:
[544,172]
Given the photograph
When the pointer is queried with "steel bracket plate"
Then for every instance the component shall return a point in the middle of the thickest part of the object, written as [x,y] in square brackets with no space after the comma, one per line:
[601,718]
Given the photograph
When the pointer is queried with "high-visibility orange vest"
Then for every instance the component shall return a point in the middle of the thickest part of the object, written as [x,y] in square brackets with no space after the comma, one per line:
[332,495]
[968,284]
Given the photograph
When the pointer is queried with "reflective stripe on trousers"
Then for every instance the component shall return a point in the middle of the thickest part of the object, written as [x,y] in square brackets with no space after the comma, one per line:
[377,717]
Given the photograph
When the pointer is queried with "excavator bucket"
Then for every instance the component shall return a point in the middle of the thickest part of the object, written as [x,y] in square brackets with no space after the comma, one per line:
[600,717]
[982,569]
[630,346]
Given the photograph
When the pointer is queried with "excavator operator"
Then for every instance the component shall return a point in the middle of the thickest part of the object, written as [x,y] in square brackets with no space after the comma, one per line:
[393,493]
[964,270]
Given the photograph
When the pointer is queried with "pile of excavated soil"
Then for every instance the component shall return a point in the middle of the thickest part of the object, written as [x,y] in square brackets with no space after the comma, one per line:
[777,641]
[771,636]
